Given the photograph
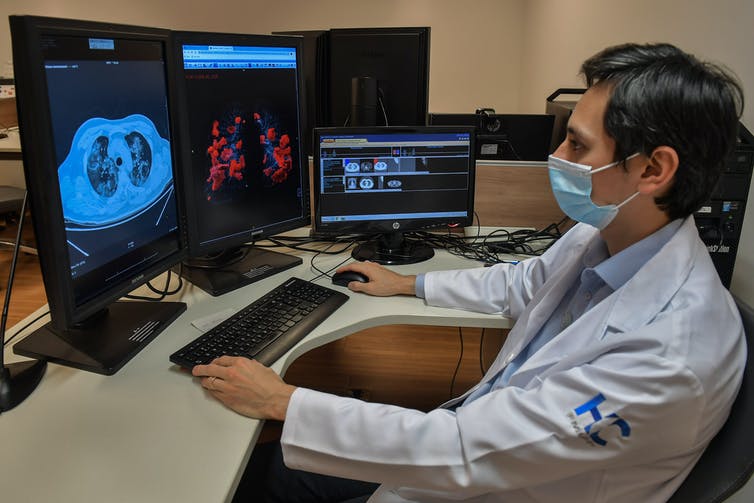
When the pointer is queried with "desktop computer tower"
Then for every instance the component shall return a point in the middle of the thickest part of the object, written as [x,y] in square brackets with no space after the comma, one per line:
[720,219]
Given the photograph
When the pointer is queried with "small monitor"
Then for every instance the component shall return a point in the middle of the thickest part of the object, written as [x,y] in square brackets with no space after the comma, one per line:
[387,181]
[513,137]
[244,175]
[97,139]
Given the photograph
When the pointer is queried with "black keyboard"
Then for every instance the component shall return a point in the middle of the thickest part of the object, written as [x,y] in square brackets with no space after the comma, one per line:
[268,327]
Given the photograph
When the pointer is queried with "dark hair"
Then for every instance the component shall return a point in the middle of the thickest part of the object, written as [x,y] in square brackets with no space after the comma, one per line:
[660,95]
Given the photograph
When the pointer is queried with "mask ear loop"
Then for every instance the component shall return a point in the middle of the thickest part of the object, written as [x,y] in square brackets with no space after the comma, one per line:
[608,166]
[635,193]
[627,200]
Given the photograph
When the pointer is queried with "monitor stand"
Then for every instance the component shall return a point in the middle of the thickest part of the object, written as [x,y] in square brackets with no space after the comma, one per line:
[393,249]
[235,268]
[106,341]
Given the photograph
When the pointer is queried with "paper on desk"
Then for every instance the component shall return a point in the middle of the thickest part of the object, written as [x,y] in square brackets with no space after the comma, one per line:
[207,322]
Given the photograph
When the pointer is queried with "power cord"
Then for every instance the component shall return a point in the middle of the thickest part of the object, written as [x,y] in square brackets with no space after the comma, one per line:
[458,365]
[481,353]
[162,293]
[21,330]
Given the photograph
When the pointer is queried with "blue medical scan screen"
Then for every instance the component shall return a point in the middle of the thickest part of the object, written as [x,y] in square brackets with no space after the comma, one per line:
[109,116]
[396,176]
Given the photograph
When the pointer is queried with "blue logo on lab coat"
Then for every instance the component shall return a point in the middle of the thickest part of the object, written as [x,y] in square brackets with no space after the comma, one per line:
[593,429]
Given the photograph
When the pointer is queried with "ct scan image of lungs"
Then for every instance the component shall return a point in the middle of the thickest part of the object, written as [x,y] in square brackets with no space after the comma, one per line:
[366,183]
[114,170]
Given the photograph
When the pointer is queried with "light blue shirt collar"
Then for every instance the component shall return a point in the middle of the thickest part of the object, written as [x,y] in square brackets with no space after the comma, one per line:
[615,271]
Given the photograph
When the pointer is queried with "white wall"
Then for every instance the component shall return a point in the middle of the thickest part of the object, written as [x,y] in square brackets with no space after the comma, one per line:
[475,46]
[559,35]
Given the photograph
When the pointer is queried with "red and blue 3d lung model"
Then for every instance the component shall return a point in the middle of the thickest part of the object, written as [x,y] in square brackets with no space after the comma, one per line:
[228,161]
[226,154]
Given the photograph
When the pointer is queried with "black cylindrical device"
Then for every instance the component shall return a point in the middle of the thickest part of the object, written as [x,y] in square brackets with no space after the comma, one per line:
[363,101]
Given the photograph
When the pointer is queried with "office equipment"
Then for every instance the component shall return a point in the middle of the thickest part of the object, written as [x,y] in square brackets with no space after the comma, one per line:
[244,173]
[387,181]
[345,277]
[398,58]
[314,53]
[728,461]
[720,220]
[94,115]
[267,328]
[517,137]
[559,105]
[364,102]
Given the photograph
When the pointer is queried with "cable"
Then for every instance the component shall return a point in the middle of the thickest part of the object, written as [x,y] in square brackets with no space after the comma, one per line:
[18,332]
[491,248]
[162,293]
[458,365]
[327,272]
[481,353]
[382,106]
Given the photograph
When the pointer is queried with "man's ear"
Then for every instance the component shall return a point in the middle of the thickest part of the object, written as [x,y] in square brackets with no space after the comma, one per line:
[659,172]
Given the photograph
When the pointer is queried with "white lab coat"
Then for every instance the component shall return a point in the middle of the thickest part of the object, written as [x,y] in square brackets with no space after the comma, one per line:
[666,351]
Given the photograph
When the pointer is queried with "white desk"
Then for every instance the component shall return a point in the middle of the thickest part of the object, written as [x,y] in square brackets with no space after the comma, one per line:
[150,433]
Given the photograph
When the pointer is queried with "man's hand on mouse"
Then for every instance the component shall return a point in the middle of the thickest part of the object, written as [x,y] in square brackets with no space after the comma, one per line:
[382,282]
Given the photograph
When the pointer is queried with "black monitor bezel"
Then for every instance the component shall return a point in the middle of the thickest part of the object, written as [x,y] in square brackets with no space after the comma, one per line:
[388,226]
[195,247]
[40,164]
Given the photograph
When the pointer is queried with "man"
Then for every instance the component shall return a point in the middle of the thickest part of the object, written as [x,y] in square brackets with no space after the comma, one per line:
[627,351]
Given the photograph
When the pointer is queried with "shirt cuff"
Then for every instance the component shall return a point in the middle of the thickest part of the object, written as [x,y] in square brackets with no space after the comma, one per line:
[419,285]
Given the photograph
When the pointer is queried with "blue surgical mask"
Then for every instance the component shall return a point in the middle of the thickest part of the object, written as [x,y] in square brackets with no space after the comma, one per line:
[572,185]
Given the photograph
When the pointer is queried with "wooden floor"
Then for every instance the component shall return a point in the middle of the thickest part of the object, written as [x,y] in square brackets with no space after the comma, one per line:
[27,294]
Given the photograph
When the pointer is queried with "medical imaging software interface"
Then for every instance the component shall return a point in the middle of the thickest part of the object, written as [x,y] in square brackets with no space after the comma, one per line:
[109,112]
[415,176]
[244,127]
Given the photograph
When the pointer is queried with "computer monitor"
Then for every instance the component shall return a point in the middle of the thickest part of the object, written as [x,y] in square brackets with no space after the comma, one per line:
[396,58]
[94,116]
[243,171]
[388,181]
[313,55]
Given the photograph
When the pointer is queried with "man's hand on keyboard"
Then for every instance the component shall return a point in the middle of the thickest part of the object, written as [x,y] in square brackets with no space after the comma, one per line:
[246,386]
[382,281]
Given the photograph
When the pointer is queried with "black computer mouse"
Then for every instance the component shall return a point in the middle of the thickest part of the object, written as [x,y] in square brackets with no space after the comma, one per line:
[345,277]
